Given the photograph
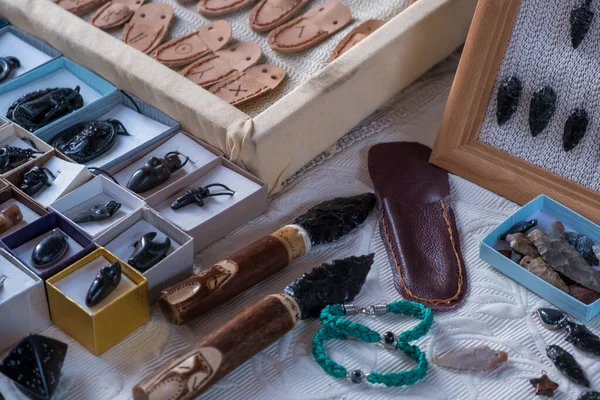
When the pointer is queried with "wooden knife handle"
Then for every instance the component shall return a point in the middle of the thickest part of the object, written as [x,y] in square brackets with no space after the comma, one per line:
[226,279]
[191,373]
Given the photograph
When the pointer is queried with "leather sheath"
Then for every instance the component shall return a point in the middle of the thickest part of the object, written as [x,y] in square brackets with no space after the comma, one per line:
[417,225]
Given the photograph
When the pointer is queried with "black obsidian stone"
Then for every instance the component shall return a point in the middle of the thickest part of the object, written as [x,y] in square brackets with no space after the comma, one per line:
[541,110]
[551,318]
[35,366]
[575,129]
[591,395]
[389,338]
[356,376]
[567,365]
[50,249]
[584,246]
[520,227]
[105,282]
[581,19]
[582,338]
[509,95]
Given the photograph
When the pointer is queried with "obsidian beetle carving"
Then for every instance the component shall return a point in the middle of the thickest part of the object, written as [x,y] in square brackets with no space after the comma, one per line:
[35,179]
[12,157]
[147,252]
[98,212]
[155,172]
[8,65]
[50,249]
[105,282]
[197,196]
[37,109]
[86,141]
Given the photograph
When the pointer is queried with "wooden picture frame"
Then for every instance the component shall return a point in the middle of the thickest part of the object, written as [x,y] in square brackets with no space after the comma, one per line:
[458,149]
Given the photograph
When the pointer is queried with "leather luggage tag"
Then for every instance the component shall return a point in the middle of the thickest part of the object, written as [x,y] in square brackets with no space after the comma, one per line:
[217,8]
[148,26]
[248,85]
[214,67]
[79,7]
[115,13]
[356,36]
[310,29]
[417,225]
[191,47]
[269,14]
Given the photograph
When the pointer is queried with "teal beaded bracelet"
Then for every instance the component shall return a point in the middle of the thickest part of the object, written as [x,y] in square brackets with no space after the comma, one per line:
[336,327]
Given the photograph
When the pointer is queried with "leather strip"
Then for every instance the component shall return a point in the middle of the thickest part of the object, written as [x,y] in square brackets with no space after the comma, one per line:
[417,225]
[269,14]
[79,7]
[148,26]
[217,8]
[193,46]
[356,36]
[115,13]
[310,29]
[214,67]
[250,84]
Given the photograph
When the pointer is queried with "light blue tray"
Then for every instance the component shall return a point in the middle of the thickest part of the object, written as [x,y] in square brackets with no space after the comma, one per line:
[572,221]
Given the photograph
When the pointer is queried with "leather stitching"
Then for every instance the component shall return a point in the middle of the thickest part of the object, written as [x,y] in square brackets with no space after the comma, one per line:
[223,8]
[189,70]
[398,266]
[114,24]
[175,42]
[82,8]
[220,86]
[280,30]
[157,36]
[283,15]
[344,43]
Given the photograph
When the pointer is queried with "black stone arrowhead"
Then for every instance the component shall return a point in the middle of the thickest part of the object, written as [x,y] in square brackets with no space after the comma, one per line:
[509,95]
[541,110]
[581,20]
[567,364]
[575,129]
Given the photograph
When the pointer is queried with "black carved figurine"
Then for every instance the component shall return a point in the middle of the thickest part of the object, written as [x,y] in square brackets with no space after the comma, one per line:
[11,157]
[98,212]
[105,282]
[581,20]
[8,65]
[148,253]
[35,179]
[37,109]
[86,141]
[197,196]
[155,172]
[50,249]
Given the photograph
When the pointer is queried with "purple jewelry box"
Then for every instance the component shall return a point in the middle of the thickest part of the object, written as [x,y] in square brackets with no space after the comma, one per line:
[40,227]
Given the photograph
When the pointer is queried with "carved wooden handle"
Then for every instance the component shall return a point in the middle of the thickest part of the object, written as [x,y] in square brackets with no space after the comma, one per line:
[226,279]
[229,346]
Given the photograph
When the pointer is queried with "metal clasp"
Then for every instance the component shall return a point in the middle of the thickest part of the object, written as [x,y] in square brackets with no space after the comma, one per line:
[375,309]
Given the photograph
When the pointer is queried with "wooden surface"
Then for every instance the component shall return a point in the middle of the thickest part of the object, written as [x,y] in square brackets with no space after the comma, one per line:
[457,148]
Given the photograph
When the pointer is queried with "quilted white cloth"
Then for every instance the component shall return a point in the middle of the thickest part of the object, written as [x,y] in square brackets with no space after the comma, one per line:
[497,311]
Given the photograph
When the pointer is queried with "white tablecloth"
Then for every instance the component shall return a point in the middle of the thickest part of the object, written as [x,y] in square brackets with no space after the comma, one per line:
[496,311]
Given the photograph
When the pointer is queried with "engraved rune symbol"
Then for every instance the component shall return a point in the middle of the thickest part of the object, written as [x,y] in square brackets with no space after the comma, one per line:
[138,37]
[301,27]
[238,90]
[201,73]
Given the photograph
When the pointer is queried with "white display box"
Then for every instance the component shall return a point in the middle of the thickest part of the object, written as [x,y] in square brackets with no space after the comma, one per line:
[4,122]
[220,215]
[30,209]
[23,305]
[30,51]
[99,190]
[15,136]
[179,262]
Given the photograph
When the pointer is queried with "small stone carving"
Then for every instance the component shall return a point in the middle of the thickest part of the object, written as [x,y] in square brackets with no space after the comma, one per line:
[522,245]
[520,227]
[509,95]
[148,253]
[35,179]
[10,217]
[155,172]
[575,129]
[581,19]
[544,386]
[98,212]
[50,249]
[567,365]
[539,268]
[584,245]
[480,358]
[105,282]
[541,110]
[11,157]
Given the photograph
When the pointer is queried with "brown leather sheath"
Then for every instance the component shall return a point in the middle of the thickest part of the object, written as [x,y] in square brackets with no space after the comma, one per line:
[417,225]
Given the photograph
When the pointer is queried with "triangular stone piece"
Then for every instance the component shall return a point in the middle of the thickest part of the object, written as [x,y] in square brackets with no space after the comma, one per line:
[581,20]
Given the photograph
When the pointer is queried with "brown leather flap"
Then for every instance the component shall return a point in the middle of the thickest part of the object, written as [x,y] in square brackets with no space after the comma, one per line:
[115,13]
[79,7]
[269,14]
[356,36]
[216,8]
[148,26]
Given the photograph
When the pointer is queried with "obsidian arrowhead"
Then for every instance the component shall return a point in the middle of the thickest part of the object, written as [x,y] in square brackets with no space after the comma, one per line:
[591,395]
[581,20]
[105,282]
[509,95]
[584,245]
[35,366]
[551,318]
[541,110]
[567,365]
[582,338]
[575,129]
[520,227]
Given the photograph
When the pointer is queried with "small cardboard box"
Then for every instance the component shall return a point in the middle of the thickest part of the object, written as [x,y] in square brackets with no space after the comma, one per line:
[22,242]
[546,211]
[220,215]
[30,209]
[104,325]
[99,190]
[178,264]
[31,52]
[145,126]
[15,136]
[23,305]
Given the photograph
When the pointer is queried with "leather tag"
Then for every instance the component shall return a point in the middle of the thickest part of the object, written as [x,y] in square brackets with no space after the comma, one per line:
[355,36]
[193,46]
[310,29]
[79,7]
[148,26]
[214,67]
[217,8]
[269,14]
[115,13]
[248,85]
[417,225]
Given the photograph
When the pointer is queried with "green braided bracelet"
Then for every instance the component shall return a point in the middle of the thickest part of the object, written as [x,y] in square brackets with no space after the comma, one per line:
[336,327]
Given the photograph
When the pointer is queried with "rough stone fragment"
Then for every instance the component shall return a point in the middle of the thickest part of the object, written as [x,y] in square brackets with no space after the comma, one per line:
[575,129]
[583,294]
[584,245]
[582,338]
[556,230]
[520,227]
[509,95]
[539,268]
[567,365]
[544,386]
[480,358]
[591,395]
[522,245]
[541,110]
[581,19]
